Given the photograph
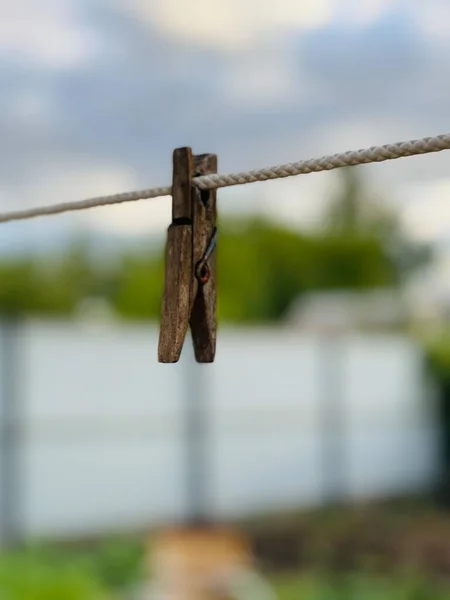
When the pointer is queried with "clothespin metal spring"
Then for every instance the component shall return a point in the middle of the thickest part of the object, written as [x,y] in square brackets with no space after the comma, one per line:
[202,271]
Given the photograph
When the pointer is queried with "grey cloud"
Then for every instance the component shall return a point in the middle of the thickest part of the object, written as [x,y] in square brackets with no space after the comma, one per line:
[387,68]
[390,49]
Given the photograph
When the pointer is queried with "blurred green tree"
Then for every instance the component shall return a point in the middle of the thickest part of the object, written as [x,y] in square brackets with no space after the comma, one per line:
[264,267]
[354,211]
[138,287]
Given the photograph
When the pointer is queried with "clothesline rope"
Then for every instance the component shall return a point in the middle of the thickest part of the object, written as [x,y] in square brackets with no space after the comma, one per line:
[374,154]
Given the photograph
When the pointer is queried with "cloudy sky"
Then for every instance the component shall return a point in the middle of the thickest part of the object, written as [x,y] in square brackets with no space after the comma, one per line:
[95,94]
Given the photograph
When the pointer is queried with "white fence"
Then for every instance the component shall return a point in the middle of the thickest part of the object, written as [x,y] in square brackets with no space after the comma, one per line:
[100,438]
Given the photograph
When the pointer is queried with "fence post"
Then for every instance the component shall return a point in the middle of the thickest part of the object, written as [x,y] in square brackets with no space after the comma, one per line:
[332,419]
[196,411]
[10,434]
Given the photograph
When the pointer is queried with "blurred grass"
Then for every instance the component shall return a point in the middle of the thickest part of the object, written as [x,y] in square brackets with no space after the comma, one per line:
[38,576]
[28,577]
[100,572]
[359,587]
[110,571]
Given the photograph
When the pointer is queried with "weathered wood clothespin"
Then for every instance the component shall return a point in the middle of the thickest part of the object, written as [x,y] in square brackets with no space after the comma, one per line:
[190,272]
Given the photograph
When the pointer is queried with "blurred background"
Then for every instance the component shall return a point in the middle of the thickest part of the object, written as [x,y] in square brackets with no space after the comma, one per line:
[323,428]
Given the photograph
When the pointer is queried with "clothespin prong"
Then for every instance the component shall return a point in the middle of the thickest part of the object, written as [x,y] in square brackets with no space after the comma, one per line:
[203,316]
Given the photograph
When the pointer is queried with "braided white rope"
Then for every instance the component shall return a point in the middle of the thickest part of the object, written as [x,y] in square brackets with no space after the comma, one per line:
[326,163]
[55,209]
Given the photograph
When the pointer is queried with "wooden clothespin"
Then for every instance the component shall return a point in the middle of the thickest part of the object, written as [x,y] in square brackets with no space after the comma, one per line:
[190,271]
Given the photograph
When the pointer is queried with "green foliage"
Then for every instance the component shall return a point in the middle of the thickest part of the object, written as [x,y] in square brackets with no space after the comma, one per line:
[53,287]
[108,570]
[118,563]
[263,268]
[138,287]
[359,587]
[24,577]
[92,573]
[439,355]
[354,211]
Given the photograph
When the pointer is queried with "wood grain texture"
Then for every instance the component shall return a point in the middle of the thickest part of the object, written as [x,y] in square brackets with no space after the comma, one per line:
[185,300]
[176,306]
[203,319]
[177,297]
[183,169]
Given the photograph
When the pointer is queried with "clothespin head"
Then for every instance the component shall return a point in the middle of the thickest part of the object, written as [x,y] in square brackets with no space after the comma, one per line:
[190,270]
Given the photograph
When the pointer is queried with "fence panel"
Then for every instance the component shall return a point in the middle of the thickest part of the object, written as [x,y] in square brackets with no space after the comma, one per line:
[290,422]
